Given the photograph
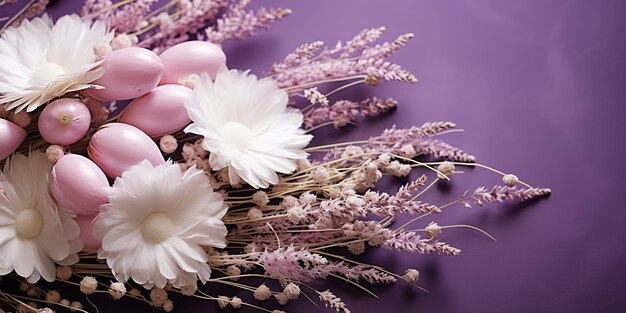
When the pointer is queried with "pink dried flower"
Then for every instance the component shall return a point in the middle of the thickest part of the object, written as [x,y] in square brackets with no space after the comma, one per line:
[54,153]
[168,144]
[121,41]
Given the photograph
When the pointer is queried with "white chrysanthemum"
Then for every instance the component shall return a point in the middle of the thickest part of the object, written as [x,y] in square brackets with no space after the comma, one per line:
[34,233]
[247,127]
[41,61]
[155,223]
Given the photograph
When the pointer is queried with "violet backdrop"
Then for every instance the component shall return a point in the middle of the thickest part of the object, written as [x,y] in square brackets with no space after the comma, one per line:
[540,89]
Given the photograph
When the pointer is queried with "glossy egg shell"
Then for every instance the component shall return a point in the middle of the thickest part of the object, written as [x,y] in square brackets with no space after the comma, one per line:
[78,184]
[117,146]
[191,57]
[128,73]
[159,112]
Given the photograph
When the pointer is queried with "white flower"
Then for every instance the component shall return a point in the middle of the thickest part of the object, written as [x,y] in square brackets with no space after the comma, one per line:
[34,232]
[41,61]
[155,222]
[247,127]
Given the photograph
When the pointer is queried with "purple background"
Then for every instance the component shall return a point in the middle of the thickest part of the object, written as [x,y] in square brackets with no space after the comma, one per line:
[539,87]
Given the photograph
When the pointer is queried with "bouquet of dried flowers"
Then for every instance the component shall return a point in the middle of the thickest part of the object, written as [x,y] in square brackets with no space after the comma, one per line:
[136,164]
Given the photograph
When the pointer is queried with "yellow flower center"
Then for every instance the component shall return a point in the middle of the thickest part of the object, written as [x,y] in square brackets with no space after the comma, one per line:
[28,224]
[157,227]
[47,71]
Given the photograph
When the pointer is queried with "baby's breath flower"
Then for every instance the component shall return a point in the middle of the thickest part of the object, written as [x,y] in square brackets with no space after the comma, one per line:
[260,198]
[75,306]
[433,230]
[446,168]
[53,296]
[411,276]
[54,153]
[262,293]
[282,298]
[117,290]
[356,247]
[236,302]
[189,290]
[158,296]
[292,291]
[168,144]
[64,272]
[510,180]
[223,301]
[88,285]
[234,272]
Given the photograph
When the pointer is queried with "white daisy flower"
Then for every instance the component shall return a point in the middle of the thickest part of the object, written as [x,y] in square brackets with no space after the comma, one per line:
[34,233]
[41,61]
[247,127]
[155,223]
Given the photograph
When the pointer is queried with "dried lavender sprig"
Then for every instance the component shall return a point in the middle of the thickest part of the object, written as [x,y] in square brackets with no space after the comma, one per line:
[31,9]
[482,195]
[333,301]
[343,112]
[192,17]
[239,23]
[129,17]
[315,63]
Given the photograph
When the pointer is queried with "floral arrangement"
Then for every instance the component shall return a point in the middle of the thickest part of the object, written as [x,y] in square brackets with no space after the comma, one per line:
[136,164]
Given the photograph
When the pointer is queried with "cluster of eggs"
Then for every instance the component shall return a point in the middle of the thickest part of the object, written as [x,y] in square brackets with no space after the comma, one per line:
[79,183]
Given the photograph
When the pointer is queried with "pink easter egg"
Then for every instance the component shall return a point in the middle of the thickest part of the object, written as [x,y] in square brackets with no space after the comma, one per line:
[129,73]
[117,146]
[11,136]
[64,121]
[191,57]
[159,112]
[85,222]
[78,184]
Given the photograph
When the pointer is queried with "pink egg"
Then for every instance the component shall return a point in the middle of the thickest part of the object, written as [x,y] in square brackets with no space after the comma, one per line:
[191,57]
[129,73]
[116,146]
[78,184]
[11,136]
[85,222]
[159,112]
[64,121]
